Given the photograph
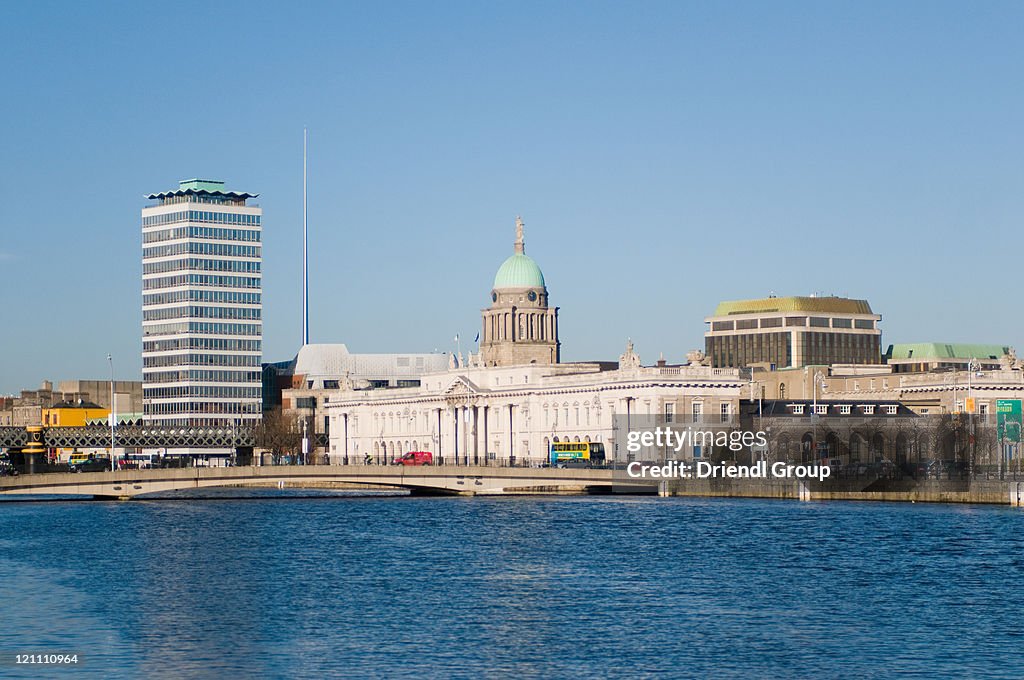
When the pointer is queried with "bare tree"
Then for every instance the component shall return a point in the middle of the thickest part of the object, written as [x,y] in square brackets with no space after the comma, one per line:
[281,435]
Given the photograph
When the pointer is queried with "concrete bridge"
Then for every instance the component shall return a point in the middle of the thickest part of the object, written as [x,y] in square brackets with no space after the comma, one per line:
[439,479]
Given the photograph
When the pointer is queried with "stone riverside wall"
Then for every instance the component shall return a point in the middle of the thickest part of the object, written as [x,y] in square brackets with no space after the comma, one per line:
[921,491]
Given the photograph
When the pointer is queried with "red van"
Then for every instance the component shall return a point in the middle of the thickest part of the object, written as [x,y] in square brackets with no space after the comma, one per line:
[415,458]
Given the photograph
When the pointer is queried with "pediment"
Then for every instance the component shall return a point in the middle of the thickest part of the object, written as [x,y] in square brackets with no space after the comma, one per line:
[461,386]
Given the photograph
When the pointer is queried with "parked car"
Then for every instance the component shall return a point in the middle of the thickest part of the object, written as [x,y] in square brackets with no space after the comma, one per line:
[884,468]
[855,469]
[928,468]
[91,465]
[415,458]
[577,464]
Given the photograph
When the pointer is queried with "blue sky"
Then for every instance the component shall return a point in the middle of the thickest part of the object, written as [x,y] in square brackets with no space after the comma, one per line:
[664,156]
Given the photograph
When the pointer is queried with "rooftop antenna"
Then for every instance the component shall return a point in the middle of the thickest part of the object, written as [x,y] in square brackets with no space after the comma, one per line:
[305,251]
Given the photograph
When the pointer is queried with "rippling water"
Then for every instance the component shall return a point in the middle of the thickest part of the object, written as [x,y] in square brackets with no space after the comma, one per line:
[532,587]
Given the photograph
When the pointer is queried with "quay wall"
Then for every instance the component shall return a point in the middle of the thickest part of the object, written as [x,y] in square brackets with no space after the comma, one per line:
[1001,492]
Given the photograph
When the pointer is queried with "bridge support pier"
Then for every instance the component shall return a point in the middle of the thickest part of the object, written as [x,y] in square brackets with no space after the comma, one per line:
[32,454]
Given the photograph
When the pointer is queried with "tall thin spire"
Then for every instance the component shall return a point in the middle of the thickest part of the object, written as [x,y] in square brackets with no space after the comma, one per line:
[520,246]
[305,249]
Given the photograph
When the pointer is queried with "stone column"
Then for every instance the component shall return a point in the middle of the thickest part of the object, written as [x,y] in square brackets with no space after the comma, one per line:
[486,445]
[476,434]
[455,435]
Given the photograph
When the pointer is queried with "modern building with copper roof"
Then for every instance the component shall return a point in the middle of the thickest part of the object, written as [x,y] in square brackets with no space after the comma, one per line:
[792,332]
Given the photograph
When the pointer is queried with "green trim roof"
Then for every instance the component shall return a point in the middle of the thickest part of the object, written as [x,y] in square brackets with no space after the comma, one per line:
[822,305]
[210,187]
[519,271]
[936,350]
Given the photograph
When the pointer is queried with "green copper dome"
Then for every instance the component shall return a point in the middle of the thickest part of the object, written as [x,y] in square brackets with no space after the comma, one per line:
[519,271]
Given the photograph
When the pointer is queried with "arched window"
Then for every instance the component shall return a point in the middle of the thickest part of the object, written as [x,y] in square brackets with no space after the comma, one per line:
[782,390]
[832,445]
[902,449]
[877,447]
[806,445]
[856,448]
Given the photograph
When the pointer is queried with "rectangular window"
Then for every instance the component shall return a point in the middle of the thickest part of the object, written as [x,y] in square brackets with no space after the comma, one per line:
[725,413]
[868,410]
[796,320]
[798,409]
[891,410]
[775,322]
[865,324]
[819,322]
[821,409]
[670,412]
[842,323]
[844,409]
[721,325]
[698,411]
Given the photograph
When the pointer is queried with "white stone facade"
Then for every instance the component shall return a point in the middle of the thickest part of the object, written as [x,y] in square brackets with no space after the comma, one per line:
[477,413]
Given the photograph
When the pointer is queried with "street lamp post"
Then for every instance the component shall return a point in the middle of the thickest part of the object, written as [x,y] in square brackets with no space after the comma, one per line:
[305,442]
[972,367]
[818,378]
[113,417]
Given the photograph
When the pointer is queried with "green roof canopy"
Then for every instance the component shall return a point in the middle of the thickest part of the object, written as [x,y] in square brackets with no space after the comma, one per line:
[209,187]
[937,350]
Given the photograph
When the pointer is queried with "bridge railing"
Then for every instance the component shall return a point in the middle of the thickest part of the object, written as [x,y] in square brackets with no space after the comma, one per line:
[142,436]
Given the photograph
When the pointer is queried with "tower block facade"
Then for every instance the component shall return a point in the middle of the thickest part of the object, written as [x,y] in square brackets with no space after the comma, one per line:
[519,327]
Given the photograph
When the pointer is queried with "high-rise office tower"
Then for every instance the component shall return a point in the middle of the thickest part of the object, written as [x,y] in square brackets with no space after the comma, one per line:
[202,306]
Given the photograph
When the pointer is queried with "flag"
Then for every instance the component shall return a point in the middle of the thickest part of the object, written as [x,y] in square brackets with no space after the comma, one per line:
[456,337]
[477,337]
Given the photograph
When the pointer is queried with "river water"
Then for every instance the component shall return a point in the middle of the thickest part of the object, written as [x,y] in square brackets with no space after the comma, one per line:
[280,586]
